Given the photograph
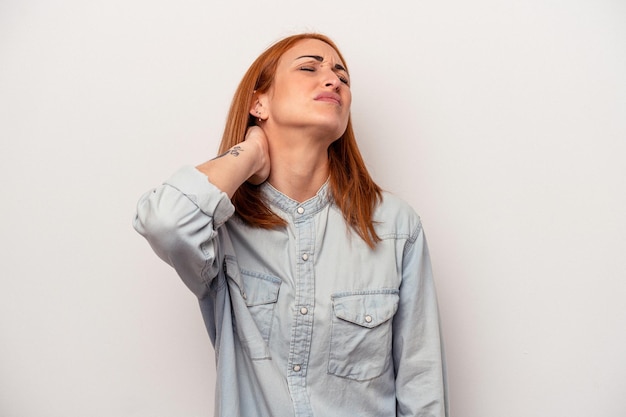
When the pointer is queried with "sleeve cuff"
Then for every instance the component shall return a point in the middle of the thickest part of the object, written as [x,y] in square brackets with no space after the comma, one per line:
[209,199]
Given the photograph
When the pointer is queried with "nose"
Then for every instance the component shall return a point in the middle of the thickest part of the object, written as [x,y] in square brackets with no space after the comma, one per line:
[332,83]
[331,79]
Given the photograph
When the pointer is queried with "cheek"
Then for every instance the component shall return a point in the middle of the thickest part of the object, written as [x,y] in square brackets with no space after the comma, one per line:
[347,102]
[278,101]
[348,98]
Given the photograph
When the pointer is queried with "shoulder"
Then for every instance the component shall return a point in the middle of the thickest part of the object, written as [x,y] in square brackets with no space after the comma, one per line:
[394,218]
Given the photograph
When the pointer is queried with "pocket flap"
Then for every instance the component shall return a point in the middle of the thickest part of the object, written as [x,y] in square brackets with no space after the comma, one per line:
[366,308]
[259,288]
[255,288]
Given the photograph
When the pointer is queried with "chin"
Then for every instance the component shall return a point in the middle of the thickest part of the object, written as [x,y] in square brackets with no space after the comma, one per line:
[333,127]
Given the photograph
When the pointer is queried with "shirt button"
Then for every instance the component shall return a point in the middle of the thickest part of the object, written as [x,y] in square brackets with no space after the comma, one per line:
[304,310]
[305,257]
[296,368]
[244,296]
[368,318]
[300,210]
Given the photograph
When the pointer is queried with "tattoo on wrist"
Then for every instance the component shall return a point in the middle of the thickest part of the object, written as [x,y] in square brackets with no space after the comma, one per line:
[234,151]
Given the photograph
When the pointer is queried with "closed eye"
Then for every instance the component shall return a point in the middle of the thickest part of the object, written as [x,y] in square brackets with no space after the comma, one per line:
[340,76]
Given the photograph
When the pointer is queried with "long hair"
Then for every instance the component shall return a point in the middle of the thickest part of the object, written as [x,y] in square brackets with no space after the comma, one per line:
[352,188]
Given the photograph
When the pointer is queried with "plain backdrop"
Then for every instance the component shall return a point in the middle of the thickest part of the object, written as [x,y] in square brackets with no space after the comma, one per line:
[502,122]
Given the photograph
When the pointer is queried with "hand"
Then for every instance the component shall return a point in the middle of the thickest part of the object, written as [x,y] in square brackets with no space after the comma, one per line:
[256,136]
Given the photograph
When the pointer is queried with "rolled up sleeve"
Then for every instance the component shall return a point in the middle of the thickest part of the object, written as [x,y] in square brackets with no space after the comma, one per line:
[180,220]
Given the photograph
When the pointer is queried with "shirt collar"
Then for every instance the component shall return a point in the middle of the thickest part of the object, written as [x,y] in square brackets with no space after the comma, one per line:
[314,204]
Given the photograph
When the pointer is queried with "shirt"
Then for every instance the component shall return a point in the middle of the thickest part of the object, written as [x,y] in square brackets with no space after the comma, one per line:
[306,320]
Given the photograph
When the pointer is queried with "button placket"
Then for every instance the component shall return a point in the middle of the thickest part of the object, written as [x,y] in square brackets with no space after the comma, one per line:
[304,301]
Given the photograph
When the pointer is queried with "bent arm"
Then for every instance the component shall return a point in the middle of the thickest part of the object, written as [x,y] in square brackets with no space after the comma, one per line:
[180,220]
[421,387]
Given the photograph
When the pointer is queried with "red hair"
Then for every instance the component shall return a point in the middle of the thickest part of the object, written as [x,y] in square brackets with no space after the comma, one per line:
[353,190]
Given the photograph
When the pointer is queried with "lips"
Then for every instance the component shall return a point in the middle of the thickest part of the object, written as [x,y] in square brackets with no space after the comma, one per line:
[329,97]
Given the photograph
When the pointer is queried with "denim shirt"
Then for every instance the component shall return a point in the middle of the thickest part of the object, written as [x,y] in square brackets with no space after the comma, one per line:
[306,320]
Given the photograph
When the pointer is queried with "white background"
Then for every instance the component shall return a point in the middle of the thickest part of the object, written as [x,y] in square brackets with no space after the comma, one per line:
[502,122]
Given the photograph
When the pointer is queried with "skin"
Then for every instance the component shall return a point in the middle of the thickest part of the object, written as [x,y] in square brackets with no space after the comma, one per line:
[305,110]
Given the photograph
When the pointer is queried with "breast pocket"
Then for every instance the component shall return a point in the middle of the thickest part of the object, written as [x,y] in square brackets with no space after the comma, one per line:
[260,293]
[360,337]
[253,299]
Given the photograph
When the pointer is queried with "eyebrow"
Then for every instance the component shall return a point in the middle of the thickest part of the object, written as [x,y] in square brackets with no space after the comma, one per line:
[321,59]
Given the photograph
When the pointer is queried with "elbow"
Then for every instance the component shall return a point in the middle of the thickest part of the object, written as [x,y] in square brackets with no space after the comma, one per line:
[167,225]
[151,220]
[158,230]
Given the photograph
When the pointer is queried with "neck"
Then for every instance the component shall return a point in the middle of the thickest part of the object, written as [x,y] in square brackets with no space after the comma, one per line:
[299,165]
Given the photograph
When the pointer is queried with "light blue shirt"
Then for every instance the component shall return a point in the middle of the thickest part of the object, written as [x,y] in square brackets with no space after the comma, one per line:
[306,320]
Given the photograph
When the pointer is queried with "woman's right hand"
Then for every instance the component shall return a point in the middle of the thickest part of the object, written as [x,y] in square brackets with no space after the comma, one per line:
[256,137]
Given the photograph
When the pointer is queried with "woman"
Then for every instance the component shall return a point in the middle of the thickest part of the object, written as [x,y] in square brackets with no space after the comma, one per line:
[315,286]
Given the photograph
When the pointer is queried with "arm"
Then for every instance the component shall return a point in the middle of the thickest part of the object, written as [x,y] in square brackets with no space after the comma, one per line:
[180,218]
[247,161]
[419,361]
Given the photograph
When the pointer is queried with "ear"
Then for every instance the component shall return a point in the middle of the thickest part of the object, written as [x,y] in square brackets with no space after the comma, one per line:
[258,106]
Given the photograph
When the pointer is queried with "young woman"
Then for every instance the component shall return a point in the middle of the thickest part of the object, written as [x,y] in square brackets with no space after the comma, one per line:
[314,284]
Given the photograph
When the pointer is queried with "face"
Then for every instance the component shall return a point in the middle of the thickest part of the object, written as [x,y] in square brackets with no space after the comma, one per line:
[311,91]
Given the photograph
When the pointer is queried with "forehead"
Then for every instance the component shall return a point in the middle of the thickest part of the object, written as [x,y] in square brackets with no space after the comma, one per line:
[311,47]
